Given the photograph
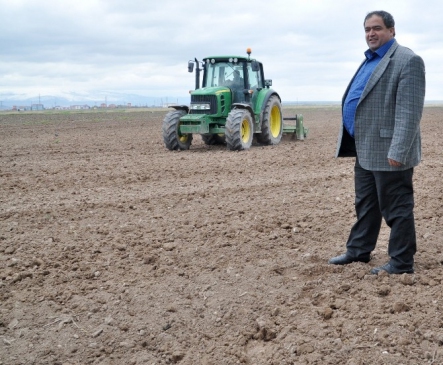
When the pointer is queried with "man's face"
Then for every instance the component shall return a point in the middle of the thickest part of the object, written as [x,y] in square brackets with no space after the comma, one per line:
[376,32]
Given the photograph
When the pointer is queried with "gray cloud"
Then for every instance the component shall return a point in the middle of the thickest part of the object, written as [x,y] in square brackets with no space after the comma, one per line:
[310,48]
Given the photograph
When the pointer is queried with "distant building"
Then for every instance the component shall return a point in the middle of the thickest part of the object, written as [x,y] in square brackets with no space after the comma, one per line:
[37,107]
[167,105]
[80,107]
[21,108]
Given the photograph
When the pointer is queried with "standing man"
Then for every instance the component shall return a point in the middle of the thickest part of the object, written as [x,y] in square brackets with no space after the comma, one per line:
[382,108]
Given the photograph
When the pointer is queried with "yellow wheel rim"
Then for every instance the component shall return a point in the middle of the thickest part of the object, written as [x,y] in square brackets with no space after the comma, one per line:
[275,121]
[183,138]
[245,131]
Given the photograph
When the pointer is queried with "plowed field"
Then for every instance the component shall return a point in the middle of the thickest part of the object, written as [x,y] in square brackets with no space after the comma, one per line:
[115,250]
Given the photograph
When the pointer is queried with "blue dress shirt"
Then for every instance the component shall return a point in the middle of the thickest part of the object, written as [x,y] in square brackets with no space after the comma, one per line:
[359,83]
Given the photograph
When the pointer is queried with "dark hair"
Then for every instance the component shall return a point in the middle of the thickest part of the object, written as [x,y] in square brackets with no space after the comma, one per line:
[388,19]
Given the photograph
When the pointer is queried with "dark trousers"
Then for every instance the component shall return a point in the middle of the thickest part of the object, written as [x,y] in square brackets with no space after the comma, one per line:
[388,195]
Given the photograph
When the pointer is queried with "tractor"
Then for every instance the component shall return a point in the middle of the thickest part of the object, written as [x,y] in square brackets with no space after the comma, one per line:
[234,105]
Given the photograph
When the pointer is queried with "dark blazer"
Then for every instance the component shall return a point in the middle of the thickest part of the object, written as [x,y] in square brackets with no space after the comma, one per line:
[387,119]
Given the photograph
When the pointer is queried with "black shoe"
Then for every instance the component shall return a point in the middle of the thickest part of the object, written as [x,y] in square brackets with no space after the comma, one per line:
[345,259]
[390,270]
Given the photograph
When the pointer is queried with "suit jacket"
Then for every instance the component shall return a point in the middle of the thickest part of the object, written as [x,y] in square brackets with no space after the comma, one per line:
[388,114]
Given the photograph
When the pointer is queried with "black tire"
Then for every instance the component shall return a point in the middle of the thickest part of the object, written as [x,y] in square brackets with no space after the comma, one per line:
[213,139]
[171,133]
[239,130]
[272,123]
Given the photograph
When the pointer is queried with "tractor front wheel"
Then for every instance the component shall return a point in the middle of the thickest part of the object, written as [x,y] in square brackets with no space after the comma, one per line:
[272,123]
[239,130]
[172,137]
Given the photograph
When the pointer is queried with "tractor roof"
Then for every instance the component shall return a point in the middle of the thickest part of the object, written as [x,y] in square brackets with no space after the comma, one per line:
[231,58]
[226,58]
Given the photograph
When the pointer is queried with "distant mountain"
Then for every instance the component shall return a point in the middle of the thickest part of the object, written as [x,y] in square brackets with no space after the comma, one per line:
[68,99]
[8,100]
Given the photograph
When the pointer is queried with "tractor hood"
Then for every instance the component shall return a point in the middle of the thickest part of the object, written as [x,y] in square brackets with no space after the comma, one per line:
[213,90]
[213,100]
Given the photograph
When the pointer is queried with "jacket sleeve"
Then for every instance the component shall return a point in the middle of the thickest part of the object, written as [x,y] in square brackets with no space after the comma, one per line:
[409,108]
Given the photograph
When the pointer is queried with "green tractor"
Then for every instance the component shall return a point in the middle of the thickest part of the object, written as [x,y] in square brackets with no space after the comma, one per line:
[234,105]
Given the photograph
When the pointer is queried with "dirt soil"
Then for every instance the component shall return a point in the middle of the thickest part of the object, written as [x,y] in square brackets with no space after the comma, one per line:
[114,250]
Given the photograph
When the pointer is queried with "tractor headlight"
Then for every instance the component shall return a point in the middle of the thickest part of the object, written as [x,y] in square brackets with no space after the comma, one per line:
[200,106]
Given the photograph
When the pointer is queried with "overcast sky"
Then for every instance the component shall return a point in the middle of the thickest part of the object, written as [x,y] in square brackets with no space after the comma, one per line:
[310,48]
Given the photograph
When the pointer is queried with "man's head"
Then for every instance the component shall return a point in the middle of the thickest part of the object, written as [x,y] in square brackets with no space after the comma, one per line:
[379,29]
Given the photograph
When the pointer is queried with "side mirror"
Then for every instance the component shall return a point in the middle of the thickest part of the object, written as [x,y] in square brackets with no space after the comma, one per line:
[191,66]
[255,66]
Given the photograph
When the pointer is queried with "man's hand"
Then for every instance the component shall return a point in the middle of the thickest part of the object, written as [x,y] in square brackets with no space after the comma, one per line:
[394,163]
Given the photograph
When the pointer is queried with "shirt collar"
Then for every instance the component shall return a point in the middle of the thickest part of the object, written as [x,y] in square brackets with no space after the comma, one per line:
[381,51]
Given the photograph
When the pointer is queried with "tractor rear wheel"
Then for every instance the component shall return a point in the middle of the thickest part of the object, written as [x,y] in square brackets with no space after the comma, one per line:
[272,123]
[172,137]
[239,130]
[212,139]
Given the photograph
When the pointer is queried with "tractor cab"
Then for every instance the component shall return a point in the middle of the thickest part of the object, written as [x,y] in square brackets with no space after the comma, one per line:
[235,73]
